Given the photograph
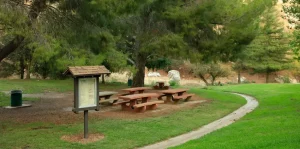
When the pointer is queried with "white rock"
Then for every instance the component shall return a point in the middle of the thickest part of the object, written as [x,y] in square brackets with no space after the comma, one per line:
[243,79]
[174,75]
[294,81]
[153,74]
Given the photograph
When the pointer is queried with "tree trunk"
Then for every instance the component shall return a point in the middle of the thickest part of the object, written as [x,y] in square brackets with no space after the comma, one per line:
[204,80]
[138,79]
[103,80]
[22,67]
[28,70]
[239,77]
[28,57]
[11,47]
[213,78]
[267,76]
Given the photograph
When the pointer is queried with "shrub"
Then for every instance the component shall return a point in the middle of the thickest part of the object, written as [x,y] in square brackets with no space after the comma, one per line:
[286,79]
[246,81]
[173,83]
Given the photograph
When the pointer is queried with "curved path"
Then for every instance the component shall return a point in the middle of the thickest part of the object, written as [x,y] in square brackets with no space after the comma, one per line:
[220,123]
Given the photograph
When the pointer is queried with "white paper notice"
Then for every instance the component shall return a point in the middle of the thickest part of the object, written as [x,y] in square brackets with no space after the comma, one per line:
[87,92]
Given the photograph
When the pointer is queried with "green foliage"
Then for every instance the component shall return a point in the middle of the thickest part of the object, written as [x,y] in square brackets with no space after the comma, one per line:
[174,83]
[210,71]
[158,63]
[292,9]
[7,69]
[268,52]
[114,33]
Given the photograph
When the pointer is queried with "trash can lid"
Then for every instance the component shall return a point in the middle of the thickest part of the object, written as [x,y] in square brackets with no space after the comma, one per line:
[16,91]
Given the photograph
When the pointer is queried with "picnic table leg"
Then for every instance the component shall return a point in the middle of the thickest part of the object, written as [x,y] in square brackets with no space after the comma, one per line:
[180,93]
[169,98]
[141,109]
[99,99]
[161,85]
[129,107]
[107,97]
[151,107]
[188,98]
[146,99]
[125,106]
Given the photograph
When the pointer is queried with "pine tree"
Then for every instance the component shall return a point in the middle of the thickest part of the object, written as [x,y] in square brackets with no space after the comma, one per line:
[268,52]
[292,8]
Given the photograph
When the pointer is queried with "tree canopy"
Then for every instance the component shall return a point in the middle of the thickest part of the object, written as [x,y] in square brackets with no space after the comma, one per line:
[127,34]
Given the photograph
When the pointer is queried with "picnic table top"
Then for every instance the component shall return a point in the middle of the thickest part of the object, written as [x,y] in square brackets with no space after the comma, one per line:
[107,93]
[173,91]
[138,96]
[136,89]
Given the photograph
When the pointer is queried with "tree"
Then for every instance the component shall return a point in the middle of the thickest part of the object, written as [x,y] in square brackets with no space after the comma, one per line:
[293,11]
[146,37]
[238,66]
[268,52]
[208,71]
[19,11]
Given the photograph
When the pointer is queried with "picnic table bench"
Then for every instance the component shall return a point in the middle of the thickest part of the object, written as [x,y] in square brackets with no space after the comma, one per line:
[106,95]
[135,89]
[160,85]
[174,95]
[131,102]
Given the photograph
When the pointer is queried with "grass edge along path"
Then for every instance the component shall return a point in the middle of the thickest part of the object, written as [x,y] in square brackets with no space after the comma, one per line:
[206,129]
[122,133]
[274,124]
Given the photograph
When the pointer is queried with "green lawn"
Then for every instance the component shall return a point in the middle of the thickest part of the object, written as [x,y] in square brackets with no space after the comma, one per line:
[43,86]
[120,133]
[5,99]
[37,86]
[274,124]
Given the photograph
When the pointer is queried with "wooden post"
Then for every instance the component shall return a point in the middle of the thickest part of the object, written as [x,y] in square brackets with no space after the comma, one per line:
[86,128]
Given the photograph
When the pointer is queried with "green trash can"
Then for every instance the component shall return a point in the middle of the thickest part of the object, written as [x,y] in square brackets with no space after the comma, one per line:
[16,98]
[129,82]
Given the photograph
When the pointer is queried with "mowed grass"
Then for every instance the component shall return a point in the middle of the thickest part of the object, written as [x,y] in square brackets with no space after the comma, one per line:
[120,133]
[5,99]
[37,86]
[44,86]
[274,124]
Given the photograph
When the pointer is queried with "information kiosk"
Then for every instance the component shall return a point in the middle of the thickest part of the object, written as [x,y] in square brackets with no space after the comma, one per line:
[86,89]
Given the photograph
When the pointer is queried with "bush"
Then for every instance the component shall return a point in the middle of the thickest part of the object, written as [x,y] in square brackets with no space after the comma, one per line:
[286,79]
[173,83]
[246,81]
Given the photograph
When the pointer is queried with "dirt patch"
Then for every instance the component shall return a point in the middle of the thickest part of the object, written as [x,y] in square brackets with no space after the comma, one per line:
[56,109]
[80,139]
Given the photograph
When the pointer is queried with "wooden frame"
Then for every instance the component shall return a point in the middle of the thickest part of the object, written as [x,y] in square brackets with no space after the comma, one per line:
[77,107]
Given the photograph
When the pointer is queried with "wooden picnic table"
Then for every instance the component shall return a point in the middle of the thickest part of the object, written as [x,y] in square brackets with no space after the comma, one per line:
[131,102]
[170,92]
[106,95]
[136,89]
[161,84]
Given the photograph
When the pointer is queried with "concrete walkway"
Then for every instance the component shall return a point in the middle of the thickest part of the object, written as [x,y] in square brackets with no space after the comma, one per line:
[220,123]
